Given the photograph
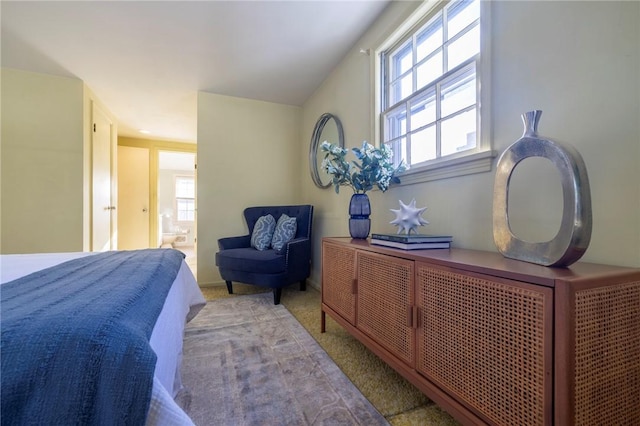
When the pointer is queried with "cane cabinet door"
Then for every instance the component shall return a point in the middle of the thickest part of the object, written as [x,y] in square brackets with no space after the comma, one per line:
[338,279]
[487,340]
[385,302]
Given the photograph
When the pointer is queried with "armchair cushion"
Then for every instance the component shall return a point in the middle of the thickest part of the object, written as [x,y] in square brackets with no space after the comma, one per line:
[256,261]
[262,233]
[285,231]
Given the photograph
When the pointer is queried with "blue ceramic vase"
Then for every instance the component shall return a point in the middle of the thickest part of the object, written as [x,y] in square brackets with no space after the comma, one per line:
[359,211]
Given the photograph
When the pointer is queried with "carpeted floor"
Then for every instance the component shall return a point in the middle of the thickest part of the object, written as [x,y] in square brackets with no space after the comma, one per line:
[394,397]
[250,362]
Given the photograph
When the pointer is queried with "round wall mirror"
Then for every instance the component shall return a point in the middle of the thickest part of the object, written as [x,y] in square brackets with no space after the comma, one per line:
[328,128]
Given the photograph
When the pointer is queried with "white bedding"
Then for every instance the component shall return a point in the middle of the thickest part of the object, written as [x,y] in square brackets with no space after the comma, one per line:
[183,302]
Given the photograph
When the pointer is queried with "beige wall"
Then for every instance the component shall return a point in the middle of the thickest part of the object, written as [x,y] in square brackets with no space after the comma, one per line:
[576,61]
[42,163]
[247,156]
[46,147]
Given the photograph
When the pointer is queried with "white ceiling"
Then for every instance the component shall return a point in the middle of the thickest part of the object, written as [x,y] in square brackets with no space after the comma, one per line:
[146,60]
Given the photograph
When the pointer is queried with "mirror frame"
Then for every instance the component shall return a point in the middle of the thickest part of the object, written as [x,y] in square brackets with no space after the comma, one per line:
[315,146]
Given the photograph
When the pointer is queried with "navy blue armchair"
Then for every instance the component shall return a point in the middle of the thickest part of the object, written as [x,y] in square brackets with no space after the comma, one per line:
[238,261]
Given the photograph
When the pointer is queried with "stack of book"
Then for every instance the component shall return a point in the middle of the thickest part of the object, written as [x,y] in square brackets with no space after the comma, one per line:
[413,241]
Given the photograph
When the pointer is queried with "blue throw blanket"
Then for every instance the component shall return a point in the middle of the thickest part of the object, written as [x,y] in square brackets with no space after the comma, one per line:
[75,339]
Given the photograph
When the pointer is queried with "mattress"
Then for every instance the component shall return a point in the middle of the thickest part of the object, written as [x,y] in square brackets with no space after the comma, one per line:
[183,302]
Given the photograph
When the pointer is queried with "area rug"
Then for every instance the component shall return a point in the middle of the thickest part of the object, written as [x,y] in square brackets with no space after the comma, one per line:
[249,362]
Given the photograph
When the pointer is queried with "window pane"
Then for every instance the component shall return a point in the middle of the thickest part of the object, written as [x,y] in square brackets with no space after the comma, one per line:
[460,15]
[399,148]
[430,70]
[423,110]
[401,89]
[401,61]
[395,123]
[186,209]
[429,40]
[458,133]
[458,93]
[183,204]
[185,187]
[465,47]
[423,145]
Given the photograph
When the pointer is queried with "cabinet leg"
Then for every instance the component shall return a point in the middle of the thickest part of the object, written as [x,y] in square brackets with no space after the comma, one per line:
[322,321]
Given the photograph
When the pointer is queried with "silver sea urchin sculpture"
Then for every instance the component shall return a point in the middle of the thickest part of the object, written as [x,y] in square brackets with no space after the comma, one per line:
[408,217]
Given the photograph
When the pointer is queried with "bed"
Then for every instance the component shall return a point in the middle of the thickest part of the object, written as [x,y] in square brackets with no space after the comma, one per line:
[132,370]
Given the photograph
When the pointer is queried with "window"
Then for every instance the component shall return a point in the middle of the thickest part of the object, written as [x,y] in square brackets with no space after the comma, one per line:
[185,198]
[430,93]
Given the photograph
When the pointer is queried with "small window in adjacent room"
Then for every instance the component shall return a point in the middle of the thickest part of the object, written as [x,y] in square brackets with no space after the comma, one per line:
[432,92]
[185,198]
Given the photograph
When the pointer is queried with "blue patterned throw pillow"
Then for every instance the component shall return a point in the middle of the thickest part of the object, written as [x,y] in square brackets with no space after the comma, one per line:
[263,232]
[285,231]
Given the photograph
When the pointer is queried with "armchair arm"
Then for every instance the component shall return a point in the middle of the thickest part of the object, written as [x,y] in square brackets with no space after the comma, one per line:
[234,242]
[298,253]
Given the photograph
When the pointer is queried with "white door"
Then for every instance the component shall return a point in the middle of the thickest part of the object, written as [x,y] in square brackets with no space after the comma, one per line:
[101,206]
[133,198]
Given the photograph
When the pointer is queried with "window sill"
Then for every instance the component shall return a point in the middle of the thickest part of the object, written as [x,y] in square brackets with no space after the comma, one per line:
[479,162]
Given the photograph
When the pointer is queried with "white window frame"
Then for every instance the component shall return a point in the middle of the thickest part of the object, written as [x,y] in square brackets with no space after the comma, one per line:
[176,198]
[466,162]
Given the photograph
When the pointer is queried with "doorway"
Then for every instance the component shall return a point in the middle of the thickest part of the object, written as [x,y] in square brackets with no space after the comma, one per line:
[176,196]
[154,164]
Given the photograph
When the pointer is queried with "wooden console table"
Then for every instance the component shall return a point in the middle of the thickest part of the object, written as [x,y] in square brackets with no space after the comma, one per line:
[494,340]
